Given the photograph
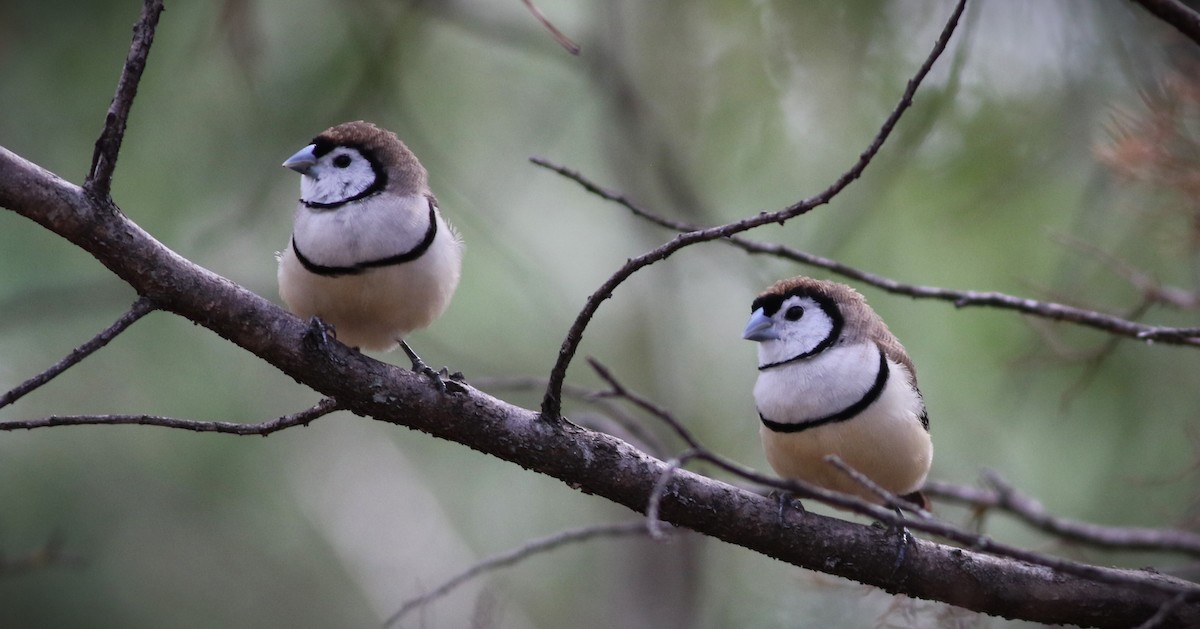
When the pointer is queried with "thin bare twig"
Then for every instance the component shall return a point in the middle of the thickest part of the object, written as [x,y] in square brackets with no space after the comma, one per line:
[1002,495]
[552,401]
[302,418]
[593,462]
[515,555]
[1141,281]
[960,298]
[934,526]
[889,499]
[558,35]
[104,158]
[139,309]
[964,298]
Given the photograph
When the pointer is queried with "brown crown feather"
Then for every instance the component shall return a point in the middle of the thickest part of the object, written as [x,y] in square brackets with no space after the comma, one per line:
[406,175]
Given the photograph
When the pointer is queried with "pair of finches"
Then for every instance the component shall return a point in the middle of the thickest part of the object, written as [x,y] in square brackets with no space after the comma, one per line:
[372,257]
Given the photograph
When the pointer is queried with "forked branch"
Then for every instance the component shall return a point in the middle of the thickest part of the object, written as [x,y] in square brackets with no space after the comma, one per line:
[552,401]
[592,462]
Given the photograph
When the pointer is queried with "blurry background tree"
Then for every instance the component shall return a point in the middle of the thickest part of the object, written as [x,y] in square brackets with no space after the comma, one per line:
[1052,154]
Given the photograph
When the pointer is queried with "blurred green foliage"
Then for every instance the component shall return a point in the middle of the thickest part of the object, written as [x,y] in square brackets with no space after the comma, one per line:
[705,111]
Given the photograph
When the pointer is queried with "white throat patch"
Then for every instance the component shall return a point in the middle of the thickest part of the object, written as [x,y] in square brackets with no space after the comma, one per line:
[339,175]
[802,326]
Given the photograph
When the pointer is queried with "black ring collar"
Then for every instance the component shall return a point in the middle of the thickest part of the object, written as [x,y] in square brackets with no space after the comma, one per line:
[361,267]
[866,400]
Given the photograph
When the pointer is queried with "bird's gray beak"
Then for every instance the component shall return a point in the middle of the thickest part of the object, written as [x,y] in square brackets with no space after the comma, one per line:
[303,160]
[760,328]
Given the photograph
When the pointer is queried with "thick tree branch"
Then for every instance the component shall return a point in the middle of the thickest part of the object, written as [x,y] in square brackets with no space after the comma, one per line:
[595,463]
[925,522]
[592,462]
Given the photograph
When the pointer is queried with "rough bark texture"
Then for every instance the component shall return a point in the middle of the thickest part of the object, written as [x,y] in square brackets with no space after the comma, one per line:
[591,462]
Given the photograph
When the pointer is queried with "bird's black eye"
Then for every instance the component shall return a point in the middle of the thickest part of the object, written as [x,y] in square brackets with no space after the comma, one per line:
[341,161]
[793,313]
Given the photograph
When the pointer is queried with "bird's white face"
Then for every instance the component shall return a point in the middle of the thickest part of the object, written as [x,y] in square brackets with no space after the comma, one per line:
[335,176]
[796,326]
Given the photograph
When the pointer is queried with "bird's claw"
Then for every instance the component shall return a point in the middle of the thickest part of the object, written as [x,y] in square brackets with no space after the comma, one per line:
[443,380]
[454,382]
[786,501]
[903,537]
[434,377]
[318,335]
